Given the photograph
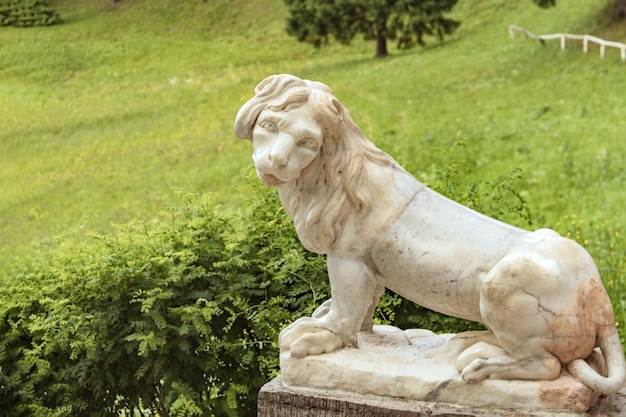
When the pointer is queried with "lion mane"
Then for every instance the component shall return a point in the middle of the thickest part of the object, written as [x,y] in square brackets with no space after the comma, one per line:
[338,173]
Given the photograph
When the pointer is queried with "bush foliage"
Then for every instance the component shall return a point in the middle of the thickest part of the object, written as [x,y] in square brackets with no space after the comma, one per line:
[27,13]
[180,315]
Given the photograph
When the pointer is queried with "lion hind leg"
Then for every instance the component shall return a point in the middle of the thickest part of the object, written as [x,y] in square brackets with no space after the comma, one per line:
[511,306]
[505,366]
[479,350]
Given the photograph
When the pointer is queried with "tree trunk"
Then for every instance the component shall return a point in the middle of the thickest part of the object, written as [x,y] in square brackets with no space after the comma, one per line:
[381,46]
[619,11]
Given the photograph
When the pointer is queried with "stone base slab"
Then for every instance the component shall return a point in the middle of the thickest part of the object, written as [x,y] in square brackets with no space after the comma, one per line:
[419,365]
[277,400]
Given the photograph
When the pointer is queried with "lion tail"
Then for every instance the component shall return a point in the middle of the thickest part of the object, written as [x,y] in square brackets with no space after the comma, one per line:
[609,344]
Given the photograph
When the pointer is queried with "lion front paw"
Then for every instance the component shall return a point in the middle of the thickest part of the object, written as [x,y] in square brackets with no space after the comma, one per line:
[306,337]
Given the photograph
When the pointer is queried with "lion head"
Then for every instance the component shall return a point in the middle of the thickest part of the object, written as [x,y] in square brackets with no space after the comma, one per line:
[306,144]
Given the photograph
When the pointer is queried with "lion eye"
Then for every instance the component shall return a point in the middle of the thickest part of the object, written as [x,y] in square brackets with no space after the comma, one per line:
[269,126]
[308,143]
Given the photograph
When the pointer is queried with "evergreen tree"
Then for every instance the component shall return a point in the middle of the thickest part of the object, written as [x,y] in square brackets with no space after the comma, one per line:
[26,13]
[545,3]
[617,11]
[406,21]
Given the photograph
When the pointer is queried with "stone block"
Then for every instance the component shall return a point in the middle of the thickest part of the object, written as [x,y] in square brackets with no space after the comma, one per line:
[278,400]
[420,365]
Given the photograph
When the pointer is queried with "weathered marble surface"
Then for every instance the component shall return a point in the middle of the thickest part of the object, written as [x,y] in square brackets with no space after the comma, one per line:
[419,365]
[540,294]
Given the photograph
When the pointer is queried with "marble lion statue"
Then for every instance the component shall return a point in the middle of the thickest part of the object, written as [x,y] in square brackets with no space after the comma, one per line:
[539,295]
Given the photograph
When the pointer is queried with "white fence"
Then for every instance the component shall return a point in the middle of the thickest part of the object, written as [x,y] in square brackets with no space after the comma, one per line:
[563,36]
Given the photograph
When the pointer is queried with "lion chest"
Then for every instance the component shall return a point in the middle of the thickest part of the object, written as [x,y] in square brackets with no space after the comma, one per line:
[437,253]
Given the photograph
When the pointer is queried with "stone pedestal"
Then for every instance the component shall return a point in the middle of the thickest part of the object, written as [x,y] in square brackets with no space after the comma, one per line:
[278,400]
[392,368]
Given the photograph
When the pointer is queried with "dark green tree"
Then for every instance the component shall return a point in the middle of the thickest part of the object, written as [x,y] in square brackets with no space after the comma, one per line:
[26,13]
[616,12]
[405,21]
[545,3]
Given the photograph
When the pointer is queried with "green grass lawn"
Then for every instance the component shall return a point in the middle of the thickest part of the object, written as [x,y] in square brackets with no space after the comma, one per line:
[104,116]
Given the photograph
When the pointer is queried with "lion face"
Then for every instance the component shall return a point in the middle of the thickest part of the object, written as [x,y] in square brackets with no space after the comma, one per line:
[285,142]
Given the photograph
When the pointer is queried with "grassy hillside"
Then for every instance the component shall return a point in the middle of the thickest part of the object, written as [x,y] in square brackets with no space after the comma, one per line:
[105,115]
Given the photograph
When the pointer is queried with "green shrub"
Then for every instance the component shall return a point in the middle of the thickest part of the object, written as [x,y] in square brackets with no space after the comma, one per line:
[27,13]
[180,315]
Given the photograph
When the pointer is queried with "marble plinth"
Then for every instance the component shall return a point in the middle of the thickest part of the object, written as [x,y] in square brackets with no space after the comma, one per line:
[278,400]
[419,365]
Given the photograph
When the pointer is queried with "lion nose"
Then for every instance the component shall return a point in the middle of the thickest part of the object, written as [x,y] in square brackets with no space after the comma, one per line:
[277,159]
